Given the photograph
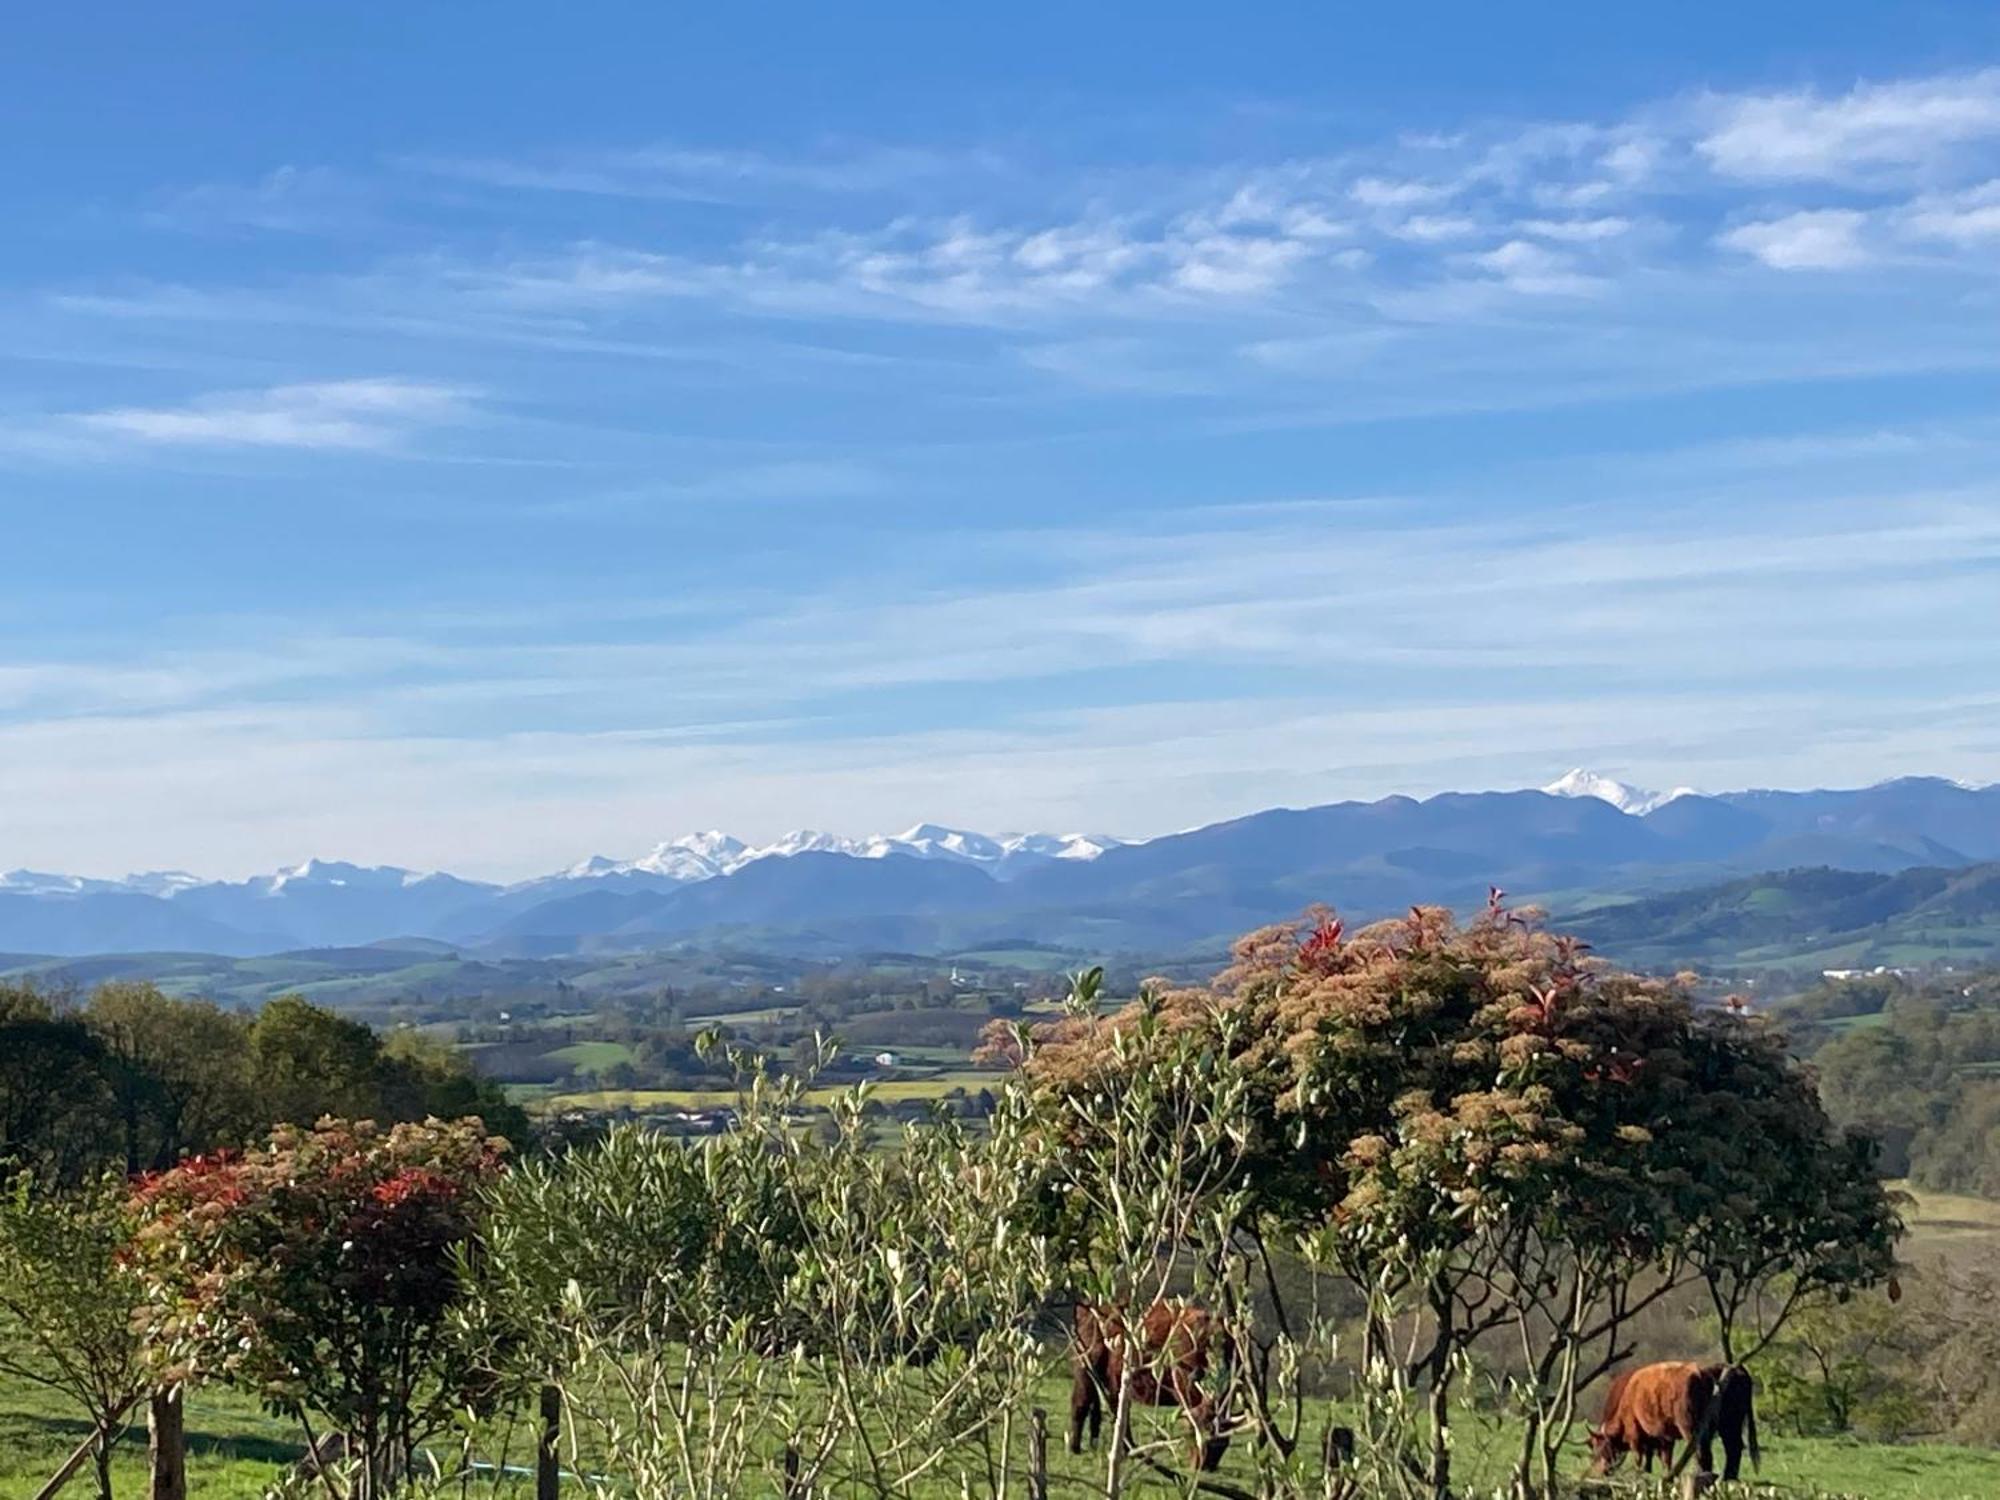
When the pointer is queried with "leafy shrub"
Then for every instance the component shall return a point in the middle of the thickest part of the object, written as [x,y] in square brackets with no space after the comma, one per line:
[319,1271]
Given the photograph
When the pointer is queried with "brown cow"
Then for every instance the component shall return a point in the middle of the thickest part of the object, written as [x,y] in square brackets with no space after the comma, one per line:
[1649,1409]
[1174,1340]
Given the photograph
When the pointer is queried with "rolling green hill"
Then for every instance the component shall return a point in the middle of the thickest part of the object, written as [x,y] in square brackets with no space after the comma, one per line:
[1816,918]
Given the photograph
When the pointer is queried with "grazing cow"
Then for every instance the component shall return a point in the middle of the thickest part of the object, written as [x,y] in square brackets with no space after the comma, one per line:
[1174,1344]
[1649,1409]
[1645,1410]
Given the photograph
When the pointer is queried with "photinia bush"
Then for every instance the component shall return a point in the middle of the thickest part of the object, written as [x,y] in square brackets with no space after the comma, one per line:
[318,1272]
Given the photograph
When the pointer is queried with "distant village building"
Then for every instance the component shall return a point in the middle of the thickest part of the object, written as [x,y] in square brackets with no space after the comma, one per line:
[702,1121]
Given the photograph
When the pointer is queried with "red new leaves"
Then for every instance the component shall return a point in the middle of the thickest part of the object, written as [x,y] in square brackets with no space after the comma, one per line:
[318,1269]
[1320,951]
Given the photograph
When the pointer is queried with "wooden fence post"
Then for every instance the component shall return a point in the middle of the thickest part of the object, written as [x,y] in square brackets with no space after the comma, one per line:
[63,1475]
[1038,1455]
[74,1462]
[166,1444]
[548,1447]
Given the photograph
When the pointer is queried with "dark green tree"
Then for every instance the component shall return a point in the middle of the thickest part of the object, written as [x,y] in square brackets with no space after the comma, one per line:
[53,1101]
[176,1072]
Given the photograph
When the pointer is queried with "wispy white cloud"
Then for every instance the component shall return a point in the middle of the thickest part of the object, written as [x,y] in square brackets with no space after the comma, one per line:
[1580,231]
[1827,239]
[288,199]
[1965,219]
[1872,129]
[1475,205]
[1385,192]
[1429,227]
[340,414]
[1673,633]
[676,171]
[1445,225]
[243,791]
[807,480]
[1524,266]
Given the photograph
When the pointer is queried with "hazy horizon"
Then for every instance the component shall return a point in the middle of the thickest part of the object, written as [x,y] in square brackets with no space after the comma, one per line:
[759,838]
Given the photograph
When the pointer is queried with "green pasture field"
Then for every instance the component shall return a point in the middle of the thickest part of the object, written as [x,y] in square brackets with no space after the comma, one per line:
[890,1092]
[929,1056]
[1948,1227]
[763,1016]
[1035,960]
[236,1451]
[593,1055]
[234,1448]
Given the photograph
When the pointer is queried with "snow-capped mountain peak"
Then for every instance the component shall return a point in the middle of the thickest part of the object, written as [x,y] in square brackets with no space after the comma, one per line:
[703,856]
[1636,801]
[692,856]
[722,848]
[931,841]
[673,862]
[313,872]
[1058,845]
[162,882]
[677,860]
[802,841]
[340,873]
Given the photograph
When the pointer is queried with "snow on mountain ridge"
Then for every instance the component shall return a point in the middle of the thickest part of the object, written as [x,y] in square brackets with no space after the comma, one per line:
[161,882]
[46,883]
[1633,800]
[339,872]
[702,856]
[676,861]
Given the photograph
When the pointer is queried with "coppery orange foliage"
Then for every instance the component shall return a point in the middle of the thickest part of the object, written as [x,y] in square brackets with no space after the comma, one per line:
[1463,1055]
[1525,991]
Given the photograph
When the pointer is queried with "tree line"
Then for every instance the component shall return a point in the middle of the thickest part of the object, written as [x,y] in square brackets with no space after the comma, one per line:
[131,1079]
[1921,1073]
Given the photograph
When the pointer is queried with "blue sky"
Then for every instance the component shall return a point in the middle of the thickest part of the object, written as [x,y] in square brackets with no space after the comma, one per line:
[483,437]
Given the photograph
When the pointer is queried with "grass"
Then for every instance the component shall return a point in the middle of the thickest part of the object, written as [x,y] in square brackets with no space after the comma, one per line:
[236,1451]
[593,1056]
[641,1100]
[1035,960]
[1792,1467]
[1945,1227]
[764,1016]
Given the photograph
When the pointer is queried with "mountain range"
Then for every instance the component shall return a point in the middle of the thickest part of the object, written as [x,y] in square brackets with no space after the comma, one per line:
[932,889]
